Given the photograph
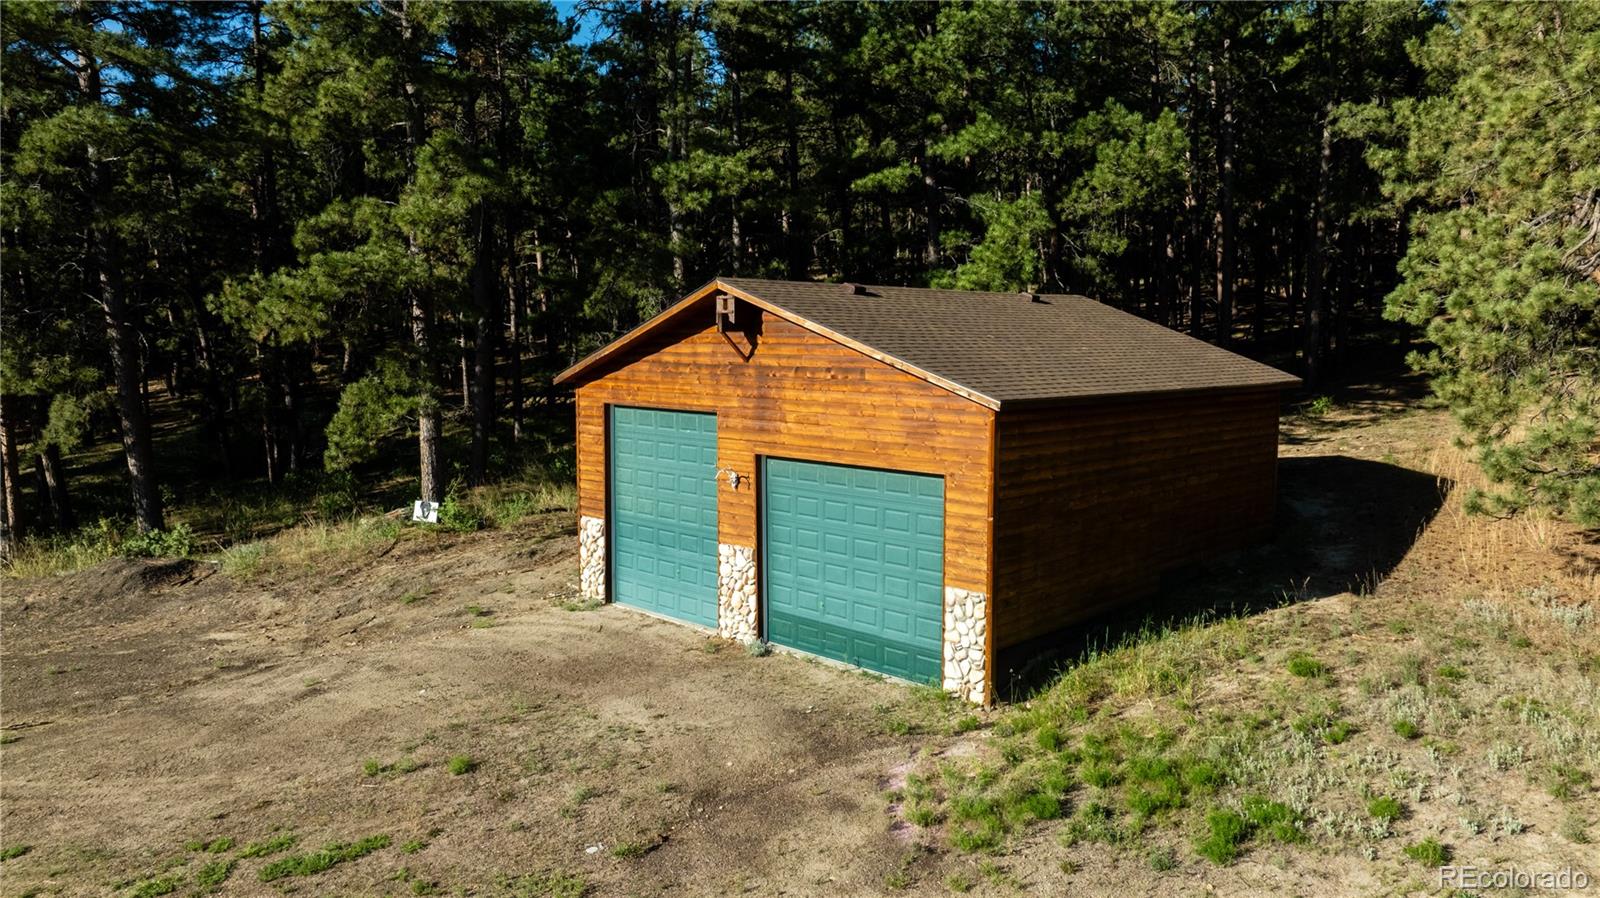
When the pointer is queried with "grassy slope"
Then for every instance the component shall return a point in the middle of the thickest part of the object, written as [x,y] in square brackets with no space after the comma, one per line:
[1448,710]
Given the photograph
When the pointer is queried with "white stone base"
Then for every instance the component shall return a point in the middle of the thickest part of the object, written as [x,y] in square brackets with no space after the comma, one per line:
[965,629]
[736,592]
[592,558]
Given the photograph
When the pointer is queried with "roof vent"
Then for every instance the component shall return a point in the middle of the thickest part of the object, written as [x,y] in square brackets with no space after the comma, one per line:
[854,289]
[1031,297]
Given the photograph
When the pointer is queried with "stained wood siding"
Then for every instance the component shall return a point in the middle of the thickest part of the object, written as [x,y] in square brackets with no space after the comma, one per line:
[802,396]
[1096,499]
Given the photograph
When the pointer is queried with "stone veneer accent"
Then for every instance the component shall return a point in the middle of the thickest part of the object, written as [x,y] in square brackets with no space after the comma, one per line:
[736,592]
[965,627]
[592,558]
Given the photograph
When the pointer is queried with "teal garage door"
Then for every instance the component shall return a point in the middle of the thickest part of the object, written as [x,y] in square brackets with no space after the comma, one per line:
[854,565]
[664,512]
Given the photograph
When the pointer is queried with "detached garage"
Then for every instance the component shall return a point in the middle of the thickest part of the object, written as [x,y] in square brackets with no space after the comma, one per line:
[911,481]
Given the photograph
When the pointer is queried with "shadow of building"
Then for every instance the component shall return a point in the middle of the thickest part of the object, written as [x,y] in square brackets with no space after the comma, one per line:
[1342,525]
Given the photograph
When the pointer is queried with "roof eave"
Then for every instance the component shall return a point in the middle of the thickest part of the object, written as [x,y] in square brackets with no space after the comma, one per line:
[1288,383]
[605,352]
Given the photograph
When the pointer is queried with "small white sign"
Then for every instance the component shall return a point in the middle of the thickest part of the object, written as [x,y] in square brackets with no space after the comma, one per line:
[426,512]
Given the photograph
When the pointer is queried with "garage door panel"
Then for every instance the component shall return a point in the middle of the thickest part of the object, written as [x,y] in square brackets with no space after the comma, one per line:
[871,543]
[664,512]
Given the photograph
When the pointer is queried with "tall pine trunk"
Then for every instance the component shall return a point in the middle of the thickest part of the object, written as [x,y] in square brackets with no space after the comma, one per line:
[53,486]
[421,305]
[1222,96]
[1316,266]
[121,335]
[486,302]
[10,491]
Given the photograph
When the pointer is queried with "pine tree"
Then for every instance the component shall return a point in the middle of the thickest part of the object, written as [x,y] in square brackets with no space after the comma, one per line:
[1503,269]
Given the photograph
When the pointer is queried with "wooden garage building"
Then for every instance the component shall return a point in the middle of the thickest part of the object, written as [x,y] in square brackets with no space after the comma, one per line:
[910,480]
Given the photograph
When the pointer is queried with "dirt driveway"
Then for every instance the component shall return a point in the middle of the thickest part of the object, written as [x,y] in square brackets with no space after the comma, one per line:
[153,706]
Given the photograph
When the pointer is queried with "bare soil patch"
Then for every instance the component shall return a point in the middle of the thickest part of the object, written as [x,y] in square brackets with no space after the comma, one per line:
[151,704]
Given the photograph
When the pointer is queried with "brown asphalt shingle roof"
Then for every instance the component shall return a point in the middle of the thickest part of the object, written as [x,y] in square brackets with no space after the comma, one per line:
[1010,348]
[1006,347]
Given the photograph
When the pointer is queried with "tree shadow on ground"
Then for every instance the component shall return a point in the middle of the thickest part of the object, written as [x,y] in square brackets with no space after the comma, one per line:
[1342,525]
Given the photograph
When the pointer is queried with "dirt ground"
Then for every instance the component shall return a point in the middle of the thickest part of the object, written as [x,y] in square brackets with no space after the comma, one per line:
[150,706]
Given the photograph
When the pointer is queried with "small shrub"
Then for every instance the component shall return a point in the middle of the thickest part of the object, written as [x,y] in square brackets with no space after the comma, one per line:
[458,516]
[1163,858]
[178,542]
[1339,732]
[1428,852]
[966,723]
[1318,407]
[1304,665]
[372,767]
[757,648]
[459,764]
[1405,729]
[1385,808]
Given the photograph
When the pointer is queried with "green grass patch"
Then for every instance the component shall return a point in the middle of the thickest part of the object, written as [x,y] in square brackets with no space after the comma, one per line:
[269,847]
[1385,808]
[549,884]
[214,874]
[1429,852]
[460,764]
[1226,833]
[156,886]
[413,846]
[327,858]
[1304,665]
[1406,729]
[629,850]
[11,852]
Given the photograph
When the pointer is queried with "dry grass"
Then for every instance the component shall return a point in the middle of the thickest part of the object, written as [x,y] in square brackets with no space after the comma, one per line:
[1463,688]
[310,547]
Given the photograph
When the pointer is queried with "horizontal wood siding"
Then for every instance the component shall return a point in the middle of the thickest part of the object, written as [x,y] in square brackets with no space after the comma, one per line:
[1096,499]
[803,396]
